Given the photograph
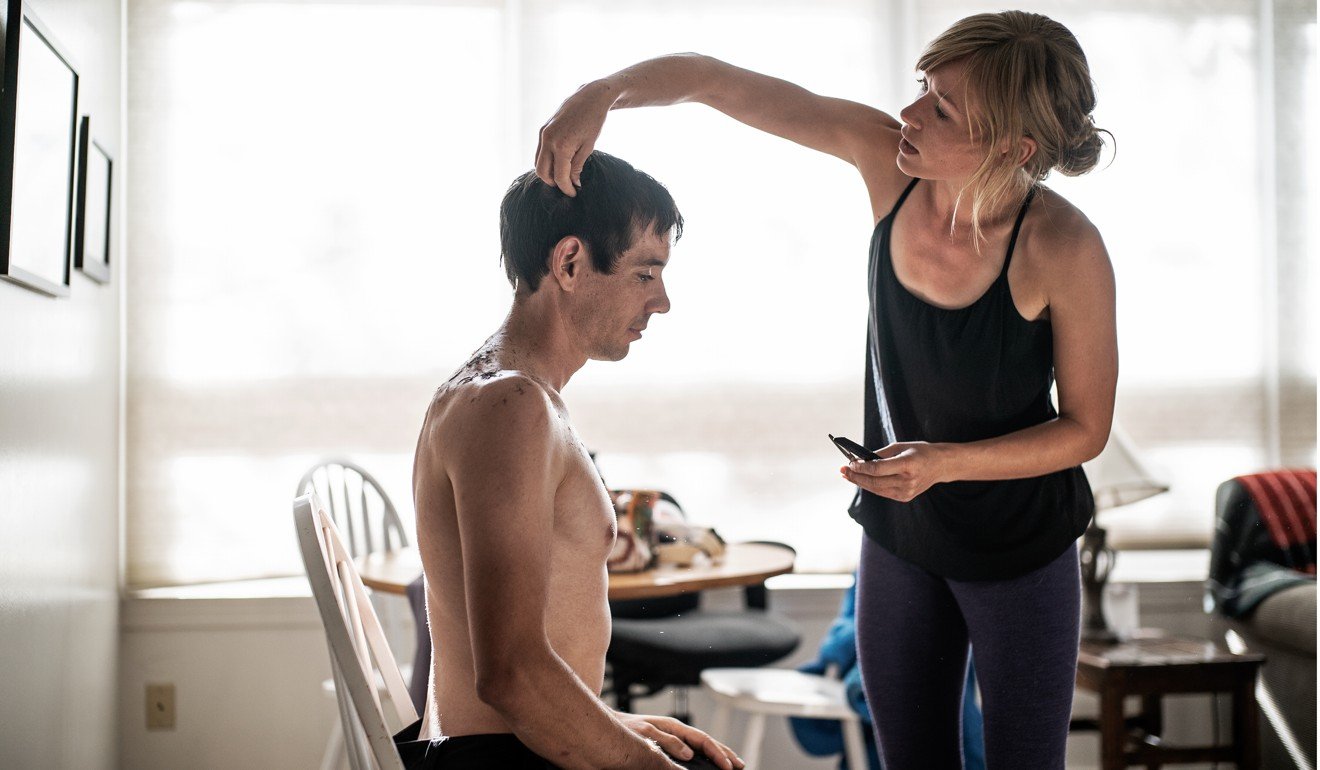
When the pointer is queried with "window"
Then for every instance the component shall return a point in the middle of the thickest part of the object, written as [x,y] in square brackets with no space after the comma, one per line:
[313,244]
[312,195]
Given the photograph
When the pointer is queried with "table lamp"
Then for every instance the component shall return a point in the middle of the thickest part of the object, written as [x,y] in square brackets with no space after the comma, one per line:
[1118,478]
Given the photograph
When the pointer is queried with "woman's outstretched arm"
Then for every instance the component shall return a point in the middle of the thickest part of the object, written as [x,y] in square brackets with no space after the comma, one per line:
[856,133]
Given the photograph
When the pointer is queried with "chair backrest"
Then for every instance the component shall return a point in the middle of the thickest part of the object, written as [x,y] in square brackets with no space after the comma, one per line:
[357,503]
[360,658]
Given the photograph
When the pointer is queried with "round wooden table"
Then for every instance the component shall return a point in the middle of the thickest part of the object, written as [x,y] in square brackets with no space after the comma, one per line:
[743,564]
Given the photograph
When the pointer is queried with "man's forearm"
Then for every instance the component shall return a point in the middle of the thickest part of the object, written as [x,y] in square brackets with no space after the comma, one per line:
[550,710]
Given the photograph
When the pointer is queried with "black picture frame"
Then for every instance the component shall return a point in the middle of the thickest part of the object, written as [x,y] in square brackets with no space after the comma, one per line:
[38,147]
[91,239]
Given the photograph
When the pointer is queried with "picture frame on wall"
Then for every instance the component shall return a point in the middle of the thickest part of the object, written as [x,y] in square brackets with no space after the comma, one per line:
[38,145]
[91,240]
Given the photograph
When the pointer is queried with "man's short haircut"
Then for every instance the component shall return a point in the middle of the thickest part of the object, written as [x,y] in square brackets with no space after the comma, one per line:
[614,203]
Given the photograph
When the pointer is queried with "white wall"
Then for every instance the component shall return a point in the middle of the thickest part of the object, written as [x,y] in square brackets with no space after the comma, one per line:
[59,470]
[248,674]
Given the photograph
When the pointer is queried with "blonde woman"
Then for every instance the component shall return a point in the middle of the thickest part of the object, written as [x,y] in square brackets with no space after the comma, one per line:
[987,288]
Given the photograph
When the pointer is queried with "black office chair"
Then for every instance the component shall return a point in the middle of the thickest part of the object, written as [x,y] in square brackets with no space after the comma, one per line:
[668,642]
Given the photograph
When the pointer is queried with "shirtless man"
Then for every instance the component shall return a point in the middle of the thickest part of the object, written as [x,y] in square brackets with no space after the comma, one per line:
[513,522]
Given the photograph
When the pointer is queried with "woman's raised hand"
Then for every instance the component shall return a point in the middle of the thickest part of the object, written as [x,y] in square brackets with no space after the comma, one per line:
[570,135]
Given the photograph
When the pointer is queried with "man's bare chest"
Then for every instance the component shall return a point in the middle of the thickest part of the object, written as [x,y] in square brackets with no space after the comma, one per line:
[584,516]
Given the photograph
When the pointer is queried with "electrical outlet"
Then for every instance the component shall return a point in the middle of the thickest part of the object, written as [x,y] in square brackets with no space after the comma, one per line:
[160,707]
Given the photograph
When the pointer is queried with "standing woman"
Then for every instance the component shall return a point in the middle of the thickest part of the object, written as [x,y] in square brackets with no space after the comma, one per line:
[986,288]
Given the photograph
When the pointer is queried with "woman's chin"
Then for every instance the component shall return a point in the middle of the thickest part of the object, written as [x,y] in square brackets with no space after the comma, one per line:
[908,165]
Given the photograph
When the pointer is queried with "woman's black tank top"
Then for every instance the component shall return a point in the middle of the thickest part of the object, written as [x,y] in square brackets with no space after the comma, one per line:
[961,375]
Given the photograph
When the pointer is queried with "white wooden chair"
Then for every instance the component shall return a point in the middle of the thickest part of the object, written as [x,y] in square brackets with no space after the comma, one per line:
[362,511]
[360,658]
[763,692]
[358,504]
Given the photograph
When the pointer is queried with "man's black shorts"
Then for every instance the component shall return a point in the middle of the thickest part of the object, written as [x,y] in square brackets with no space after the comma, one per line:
[484,752]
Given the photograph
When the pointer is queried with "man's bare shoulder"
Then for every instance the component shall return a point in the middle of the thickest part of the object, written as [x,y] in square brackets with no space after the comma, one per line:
[503,412]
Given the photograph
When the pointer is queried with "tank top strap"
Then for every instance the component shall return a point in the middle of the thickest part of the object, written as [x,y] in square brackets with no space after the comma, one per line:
[906,191]
[1017,225]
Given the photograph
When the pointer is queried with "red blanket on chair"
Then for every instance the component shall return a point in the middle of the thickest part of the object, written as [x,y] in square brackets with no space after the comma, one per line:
[1285,501]
[1264,539]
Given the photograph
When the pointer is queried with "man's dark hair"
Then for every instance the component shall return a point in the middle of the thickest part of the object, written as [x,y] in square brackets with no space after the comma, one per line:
[614,203]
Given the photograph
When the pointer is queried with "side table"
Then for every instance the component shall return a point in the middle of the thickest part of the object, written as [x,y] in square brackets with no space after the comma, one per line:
[1152,665]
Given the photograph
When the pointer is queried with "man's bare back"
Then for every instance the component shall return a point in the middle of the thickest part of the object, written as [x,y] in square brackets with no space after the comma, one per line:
[577,617]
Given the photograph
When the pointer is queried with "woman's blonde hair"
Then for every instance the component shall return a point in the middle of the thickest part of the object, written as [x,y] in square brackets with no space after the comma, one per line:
[1026,76]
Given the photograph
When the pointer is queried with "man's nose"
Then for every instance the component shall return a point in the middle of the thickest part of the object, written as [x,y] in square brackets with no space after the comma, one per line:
[662,302]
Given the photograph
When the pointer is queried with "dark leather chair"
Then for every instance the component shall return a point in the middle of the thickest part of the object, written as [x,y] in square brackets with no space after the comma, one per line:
[668,642]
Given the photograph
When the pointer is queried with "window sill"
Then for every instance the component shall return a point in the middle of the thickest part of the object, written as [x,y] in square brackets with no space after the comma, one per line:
[270,603]
[286,602]
[1187,565]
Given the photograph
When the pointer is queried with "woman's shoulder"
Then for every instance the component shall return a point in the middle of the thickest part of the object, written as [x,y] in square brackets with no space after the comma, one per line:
[878,165]
[1057,235]
[1063,250]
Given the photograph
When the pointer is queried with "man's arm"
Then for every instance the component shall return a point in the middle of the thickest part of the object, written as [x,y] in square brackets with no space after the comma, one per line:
[856,133]
[507,463]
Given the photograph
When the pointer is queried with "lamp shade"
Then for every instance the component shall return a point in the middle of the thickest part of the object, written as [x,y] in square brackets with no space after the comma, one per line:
[1117,475]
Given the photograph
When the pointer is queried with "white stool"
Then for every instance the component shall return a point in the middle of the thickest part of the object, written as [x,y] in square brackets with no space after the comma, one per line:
[762,692]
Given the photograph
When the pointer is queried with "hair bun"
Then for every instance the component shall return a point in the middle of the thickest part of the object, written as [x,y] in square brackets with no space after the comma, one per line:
[1084,153]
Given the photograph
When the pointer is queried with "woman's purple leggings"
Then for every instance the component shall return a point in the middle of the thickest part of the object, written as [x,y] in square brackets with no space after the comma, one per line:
[913,634]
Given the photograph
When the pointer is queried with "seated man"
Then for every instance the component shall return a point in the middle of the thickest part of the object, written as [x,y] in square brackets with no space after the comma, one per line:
[513,522]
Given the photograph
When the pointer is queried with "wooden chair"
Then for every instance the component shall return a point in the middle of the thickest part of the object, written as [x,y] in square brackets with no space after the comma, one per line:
[359,506]
[357,503]
[360,658]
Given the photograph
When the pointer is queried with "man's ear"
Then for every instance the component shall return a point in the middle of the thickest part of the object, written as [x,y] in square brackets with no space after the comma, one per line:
[567,261]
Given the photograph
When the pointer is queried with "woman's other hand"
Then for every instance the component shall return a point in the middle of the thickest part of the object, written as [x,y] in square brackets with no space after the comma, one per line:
[904,470]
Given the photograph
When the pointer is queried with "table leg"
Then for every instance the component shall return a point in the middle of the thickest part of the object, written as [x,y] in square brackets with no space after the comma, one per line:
[1152,721]
[1112,729]
[1246,724]
[1152,714]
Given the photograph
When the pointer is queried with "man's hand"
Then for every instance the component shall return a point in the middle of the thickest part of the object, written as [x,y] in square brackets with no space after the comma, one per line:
[904,470]
[678,739]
